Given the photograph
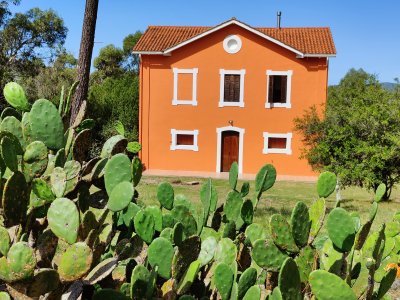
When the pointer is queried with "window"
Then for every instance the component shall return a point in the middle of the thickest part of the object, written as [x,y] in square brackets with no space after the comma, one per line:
[232,88]
[232,44]
[186,92]
[278,88]
[184,140]
[277,143]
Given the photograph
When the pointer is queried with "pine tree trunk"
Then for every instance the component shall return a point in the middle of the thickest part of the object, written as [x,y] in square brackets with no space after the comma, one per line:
[85,56]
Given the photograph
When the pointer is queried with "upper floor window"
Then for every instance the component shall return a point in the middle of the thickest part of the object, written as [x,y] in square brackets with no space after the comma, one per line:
[278,88]
[231,88]
[184,140]
[185,86]
[277,143]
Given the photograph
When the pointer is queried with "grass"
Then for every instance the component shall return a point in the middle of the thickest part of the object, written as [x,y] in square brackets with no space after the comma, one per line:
[281,198]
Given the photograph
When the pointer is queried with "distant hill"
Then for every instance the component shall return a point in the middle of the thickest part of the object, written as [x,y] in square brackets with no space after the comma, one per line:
[389,85]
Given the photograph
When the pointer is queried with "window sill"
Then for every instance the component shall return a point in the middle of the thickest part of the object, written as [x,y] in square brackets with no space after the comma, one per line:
[278,105]
[232,104]
[184,147]
[184,102]
[277,151]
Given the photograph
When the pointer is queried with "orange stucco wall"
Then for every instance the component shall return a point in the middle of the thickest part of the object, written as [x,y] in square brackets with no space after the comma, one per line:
[158,116]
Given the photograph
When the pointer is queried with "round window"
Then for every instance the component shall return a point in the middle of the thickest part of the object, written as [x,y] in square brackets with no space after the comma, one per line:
[232,44]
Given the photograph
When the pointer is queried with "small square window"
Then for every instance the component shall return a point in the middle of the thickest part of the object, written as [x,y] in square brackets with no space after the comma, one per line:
[278,89]
[184,140]
[277,143]
[185,86]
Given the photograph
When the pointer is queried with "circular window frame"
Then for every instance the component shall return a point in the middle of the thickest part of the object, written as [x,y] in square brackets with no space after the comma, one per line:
[232,38]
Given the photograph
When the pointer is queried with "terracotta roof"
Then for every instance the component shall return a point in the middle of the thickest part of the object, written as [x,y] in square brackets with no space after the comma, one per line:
[307,40]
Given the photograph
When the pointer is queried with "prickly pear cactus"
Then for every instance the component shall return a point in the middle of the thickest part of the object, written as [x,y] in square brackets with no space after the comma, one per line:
[160,254]
[15,96]
[165,194]
[19,263]
[325,285]
[326,184]
[63,218]
[223,279]
[341,229]
[75,262]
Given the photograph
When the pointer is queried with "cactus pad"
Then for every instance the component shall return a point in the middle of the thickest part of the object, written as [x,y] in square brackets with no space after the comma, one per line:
[120,196]
[41,193]
[115,144]
[165,194]
[380,192]
[46,124]
[265,178]
[19,263]
[9,154]
[184,215]
[44,281]
[75,262]
[305,262]
[341,229]
[118,169]
[223,279]
[233,175]
[254,232]
[300,223]
[58,180]
[15,96]
[72,169]
[246,281]
[326,184]
[281,233]
[12,125]
[160,254]
[325,285]
[233,206]
[35,159]
[63,218]
[317,215]
[247,212]
[189,277]
[266,255]
[289,280]
[253,293]
[207,251]
[226,251]
[15,199]
[139,279]
[144,225]
[137,169]
[5,241]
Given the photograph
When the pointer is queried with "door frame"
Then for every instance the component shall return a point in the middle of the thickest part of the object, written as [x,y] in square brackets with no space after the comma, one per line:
[219,146]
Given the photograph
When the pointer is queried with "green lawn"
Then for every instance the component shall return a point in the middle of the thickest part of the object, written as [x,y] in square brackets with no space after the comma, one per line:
[280,198]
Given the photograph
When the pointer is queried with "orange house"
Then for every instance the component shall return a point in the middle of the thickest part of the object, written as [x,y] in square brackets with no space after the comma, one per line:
[210,96]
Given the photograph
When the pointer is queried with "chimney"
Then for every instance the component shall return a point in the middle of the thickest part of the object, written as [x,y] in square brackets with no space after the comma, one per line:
[278,15]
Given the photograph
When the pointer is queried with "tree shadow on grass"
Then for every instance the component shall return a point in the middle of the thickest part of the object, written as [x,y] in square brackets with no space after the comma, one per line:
[272,210]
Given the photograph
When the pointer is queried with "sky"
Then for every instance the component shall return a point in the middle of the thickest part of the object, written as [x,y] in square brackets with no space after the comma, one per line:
[366,32]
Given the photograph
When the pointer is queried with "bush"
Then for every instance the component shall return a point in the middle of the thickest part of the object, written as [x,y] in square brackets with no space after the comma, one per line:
[69,227]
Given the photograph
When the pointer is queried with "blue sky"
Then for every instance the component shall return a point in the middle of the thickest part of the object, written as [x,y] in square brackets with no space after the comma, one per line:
[366,33]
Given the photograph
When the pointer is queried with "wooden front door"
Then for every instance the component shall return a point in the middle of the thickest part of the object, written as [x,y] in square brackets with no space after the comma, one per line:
[229,149]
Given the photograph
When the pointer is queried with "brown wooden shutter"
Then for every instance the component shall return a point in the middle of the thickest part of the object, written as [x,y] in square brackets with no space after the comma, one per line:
[277,143]
[271,89]
[231,88]
[185,139]
[283,88]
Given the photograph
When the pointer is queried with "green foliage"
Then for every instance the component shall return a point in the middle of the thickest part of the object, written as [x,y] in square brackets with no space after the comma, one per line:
[358,137]
[90,235]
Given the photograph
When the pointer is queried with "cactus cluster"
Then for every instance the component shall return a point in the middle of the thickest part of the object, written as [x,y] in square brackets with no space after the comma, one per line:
[71,229]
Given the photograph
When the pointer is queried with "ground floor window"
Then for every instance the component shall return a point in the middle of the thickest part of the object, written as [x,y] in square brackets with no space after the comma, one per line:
[184,140]
[277,143]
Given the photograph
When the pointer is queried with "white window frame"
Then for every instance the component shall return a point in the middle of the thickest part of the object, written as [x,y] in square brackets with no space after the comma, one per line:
[219,146]
[289,74]
[224,72]
[193,101]
[174,146]
[288,137]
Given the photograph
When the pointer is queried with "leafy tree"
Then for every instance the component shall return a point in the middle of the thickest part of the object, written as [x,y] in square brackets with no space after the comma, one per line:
[132,60]
[85,56]
[51,78]
[359,136]
[109,62]
[27,40]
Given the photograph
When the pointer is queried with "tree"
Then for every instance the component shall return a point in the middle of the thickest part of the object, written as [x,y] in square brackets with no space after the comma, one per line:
[132,60]
[358,137]
[110,61]
[61,71]
[85,56]
[27,40]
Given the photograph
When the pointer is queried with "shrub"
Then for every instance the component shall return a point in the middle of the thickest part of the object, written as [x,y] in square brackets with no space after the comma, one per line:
[75,229]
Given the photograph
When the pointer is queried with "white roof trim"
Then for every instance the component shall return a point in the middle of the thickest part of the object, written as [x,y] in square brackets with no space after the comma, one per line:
[236,22]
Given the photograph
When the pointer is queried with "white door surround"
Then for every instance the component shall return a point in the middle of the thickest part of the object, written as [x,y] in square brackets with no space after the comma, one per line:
[219,147]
